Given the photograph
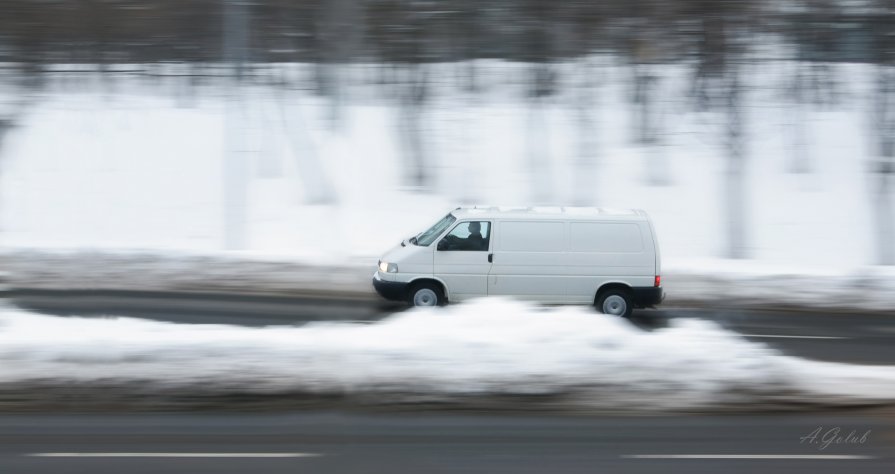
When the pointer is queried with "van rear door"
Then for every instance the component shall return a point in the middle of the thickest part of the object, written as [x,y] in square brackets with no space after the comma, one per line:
[608,252]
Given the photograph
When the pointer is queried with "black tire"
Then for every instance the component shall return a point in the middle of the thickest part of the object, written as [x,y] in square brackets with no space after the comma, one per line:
[426,294]
[616,302]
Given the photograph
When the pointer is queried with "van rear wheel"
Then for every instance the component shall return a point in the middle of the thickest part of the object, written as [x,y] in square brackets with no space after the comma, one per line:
[616,302]
[426,294]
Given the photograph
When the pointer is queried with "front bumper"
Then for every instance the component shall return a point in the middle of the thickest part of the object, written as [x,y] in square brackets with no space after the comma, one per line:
[390,290]
[644,297]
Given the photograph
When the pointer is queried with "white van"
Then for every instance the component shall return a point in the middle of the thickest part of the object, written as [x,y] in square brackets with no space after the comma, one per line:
[608,258]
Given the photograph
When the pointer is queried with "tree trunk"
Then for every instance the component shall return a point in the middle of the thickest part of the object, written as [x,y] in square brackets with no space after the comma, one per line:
[799,161]
[584,172]
[236,172]
[317,184]
[735,176]
[648,123]
[538,136]
[235,169]
[884,168]
[885,218]
[412,102]
[338,25]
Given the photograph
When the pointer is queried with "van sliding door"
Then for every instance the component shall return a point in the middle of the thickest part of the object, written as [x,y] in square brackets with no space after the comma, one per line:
[528,261]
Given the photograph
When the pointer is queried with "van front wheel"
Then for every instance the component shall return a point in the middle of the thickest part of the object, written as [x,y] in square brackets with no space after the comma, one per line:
[615,302]
[426,294]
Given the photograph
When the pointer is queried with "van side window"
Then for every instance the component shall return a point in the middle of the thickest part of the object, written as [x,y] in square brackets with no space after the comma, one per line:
[473,235]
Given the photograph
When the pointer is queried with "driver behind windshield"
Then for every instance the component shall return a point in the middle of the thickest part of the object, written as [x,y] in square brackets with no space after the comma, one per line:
[474,241]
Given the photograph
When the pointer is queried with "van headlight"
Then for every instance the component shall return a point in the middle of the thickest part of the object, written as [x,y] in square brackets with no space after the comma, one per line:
[386,267]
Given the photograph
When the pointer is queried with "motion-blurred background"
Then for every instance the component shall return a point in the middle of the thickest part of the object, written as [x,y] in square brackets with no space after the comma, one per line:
[760,130]
[172,171]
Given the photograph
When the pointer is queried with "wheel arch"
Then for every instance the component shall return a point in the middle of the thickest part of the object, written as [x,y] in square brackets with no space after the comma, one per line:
[611,285]
[429,279]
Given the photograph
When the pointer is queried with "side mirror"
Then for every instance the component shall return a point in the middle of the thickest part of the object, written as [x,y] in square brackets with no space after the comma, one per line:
[442,244]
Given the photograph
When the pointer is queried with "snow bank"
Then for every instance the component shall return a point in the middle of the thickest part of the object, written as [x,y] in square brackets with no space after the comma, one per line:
[525,356]
[688,282]
[184,272]
[745,283]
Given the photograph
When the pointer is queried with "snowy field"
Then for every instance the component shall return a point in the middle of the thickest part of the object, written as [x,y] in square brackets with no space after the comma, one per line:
[467,355]
[128,170]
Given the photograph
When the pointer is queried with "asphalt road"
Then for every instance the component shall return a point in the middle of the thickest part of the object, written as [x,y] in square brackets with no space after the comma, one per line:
[345,442]
[199,308]
[413,443]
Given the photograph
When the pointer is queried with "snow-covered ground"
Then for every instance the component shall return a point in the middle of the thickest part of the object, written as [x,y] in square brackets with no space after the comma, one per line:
[132,171]
[463,355]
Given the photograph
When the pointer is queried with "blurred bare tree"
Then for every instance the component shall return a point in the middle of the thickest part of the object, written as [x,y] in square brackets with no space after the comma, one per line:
[723,34]
[651,38]
[883,166]
[236,151]
[811,30]
[560,46]
[588,30]
[299,30]
[22,66]
[402,35]
[338,29]
[883,120]
[539,53]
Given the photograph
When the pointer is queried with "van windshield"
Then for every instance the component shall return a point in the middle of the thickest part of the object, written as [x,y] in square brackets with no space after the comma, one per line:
[429,236]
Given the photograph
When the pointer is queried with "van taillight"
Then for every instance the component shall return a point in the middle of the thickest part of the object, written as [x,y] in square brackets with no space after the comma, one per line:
[658,281]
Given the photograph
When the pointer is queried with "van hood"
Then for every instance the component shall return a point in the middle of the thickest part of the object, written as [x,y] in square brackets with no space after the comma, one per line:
[411,258]
[400,253]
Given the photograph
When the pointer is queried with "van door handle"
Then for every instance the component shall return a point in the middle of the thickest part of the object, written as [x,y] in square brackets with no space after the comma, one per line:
[490,258]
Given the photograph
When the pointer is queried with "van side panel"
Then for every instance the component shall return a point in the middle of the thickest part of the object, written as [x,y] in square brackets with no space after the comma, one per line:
[561,261]
[529,260]
[605,237]
[608,252]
